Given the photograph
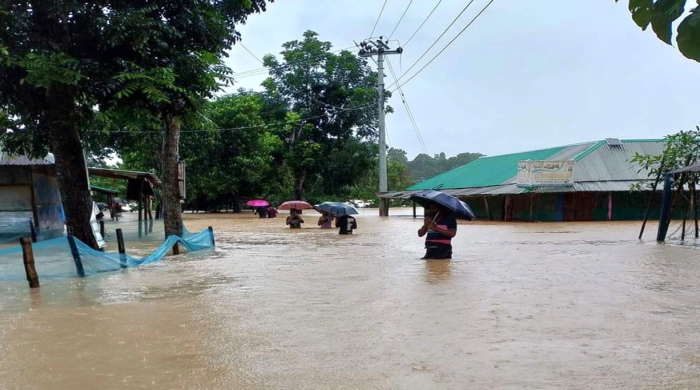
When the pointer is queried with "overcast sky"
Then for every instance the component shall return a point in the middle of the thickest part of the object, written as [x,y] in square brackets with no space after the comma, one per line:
[525,75]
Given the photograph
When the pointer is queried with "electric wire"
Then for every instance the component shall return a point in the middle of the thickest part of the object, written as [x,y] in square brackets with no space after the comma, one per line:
[378,17]
[421,25]
[434,43]
[250,52]
[265,69]
[373,104]
[409,112]
[446,46]
[400,19]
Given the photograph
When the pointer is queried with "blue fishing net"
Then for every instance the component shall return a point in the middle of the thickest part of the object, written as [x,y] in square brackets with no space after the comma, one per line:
[54,258]
[12,229]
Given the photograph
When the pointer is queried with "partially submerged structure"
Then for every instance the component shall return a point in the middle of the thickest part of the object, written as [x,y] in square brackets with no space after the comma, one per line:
[583,182]
[140,187]
[30,201]
[29,197]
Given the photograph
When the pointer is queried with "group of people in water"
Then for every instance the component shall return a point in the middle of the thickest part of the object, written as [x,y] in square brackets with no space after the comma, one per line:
[344,223]
[439,227]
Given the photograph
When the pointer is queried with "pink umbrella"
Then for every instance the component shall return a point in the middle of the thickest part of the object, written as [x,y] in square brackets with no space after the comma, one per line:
[295,205]
[258,203]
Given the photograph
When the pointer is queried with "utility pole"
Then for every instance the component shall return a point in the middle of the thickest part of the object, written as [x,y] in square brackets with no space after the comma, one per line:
[380,48]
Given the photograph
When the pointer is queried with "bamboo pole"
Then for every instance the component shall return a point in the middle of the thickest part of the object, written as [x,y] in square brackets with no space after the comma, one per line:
[694,201]
[76,256]
[488,209]
[29,266]
[122,249]
[651,199]
[211,233]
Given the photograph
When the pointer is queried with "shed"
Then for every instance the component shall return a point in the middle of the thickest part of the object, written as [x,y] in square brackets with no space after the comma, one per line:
[29,197]
[140,187]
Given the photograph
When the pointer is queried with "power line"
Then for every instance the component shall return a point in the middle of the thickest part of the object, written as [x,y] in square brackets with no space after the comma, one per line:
[373,105]
[409,112]
[250,52]
[402,15]
[378,17]
[434,43]
[448,44]
[421,25]
[265,69]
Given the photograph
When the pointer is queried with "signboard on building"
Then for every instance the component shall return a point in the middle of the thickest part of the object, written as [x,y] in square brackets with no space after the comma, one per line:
[545,173]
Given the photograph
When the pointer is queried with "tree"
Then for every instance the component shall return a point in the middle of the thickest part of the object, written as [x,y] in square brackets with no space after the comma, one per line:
[398,178]
[423,166]
[327,104]
[178,67]
[682,149]
[60,60]
[238,157]
[54,65]
[661,14]
[231,155]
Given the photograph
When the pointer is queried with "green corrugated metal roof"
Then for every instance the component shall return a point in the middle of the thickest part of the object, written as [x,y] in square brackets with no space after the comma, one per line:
[484,171]
[589,150]
[103,189]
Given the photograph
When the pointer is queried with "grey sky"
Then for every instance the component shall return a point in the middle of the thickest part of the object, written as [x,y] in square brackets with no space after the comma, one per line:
[525,75]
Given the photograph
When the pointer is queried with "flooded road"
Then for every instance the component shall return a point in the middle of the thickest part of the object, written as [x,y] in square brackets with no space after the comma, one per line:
[521,306]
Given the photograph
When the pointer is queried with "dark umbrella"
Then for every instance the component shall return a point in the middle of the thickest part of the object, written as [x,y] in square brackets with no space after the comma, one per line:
[336,208]
[459,208]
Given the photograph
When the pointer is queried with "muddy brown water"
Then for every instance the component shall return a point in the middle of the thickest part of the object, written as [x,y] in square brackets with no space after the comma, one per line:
[521,306]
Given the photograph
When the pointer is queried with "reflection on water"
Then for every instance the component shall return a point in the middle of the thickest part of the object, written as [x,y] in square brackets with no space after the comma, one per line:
[437,271]
[519,306]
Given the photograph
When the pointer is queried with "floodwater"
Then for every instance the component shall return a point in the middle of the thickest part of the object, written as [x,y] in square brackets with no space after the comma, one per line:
[521,306]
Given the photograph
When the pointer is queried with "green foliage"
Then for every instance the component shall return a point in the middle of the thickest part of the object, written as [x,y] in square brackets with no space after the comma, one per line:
[231,154]
[424,167]
[327,101]
[682,149]
[661,14]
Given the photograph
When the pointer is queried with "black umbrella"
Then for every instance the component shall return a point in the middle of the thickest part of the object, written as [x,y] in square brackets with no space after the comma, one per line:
[336,208]
[459,208]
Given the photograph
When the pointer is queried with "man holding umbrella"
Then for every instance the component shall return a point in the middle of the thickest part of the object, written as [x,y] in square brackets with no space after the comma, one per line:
[440,228]
[343,213]
[440,224]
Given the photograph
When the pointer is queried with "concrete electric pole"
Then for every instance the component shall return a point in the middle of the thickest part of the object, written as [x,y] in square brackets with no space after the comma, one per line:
[380,47]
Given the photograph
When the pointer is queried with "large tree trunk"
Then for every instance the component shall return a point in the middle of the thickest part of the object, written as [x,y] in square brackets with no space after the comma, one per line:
[237,203]
[172,212]
[299,186]
[73,182]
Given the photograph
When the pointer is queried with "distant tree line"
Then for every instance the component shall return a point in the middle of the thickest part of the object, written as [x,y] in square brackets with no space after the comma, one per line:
[423,166]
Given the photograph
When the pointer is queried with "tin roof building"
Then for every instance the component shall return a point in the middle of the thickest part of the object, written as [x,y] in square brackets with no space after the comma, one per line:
[587,181]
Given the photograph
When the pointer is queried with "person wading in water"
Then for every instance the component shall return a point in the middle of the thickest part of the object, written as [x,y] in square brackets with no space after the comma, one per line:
[346,224]
[325,221]
[440,228]
[294,220]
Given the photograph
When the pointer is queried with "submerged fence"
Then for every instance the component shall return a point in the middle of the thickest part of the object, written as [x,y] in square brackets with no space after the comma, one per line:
[69,257]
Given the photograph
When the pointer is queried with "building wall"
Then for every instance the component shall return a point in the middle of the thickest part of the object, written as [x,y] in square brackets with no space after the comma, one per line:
[29,193]
[15,200]
[47,199]
[570,206]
